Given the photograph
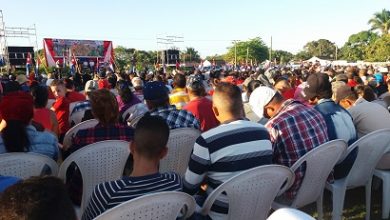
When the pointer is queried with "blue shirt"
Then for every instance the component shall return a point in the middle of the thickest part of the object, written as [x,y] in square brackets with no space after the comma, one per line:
[338,121]
[40,142]
[7,181]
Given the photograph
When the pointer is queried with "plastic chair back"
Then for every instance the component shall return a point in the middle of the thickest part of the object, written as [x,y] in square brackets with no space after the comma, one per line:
[319,164]
[180,144]
[99,162]
[134,113]
[371,149]
[290,214]
[164,205]
[25,165]
[73,131]
[251,193]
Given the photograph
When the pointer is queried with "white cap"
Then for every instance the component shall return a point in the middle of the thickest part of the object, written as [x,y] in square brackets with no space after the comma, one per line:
[260,97]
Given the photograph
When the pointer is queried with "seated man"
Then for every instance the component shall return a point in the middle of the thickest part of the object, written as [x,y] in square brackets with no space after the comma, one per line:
[232,147]
[37,198]
[148,148]
[179,96]
[295,129]
[157,100]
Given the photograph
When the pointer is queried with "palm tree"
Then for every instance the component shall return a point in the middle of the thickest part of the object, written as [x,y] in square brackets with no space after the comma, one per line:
[381,21]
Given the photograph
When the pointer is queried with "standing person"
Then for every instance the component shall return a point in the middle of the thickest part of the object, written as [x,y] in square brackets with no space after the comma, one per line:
[148,148]
[199,105]
[60,107]
[294,128]
[226,150]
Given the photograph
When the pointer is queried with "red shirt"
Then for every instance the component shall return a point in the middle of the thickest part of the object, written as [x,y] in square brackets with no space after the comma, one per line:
[42,116]
[104,84]
[201,108]
[74,96]
[61,106]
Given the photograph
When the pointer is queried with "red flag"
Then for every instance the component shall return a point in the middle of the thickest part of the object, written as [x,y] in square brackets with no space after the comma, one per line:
[177,64]
[28,60]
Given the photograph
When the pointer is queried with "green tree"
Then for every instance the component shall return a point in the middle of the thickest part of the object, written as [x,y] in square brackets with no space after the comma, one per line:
[190,55]
[321,48]
[123,57]
[381,22]
[253,49]
[302,55]
[282,56]
[379,51]
[356,46]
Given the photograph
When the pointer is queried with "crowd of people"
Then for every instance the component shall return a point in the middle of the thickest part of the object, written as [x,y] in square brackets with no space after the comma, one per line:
[247,118]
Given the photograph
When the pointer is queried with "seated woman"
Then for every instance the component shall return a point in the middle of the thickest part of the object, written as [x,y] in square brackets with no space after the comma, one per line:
[105,110]
[19,135]
[46,117]
[125,98]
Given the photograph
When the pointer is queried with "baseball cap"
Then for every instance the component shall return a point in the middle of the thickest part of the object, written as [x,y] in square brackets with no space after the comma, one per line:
[155,90]
[21,79]
[195,82]
[259,98]
[318,84]
[90,86]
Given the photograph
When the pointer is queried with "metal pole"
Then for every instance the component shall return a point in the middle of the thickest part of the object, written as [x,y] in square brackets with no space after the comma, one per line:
[270,52]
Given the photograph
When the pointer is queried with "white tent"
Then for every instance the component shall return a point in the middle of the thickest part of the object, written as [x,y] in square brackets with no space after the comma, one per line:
[316,59]
[206,63]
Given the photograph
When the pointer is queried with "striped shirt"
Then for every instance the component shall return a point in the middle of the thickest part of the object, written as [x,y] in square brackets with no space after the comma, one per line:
[110,194]
[294,131]
[224,152]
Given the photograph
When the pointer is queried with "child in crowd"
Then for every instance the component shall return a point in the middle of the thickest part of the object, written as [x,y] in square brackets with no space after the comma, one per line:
[60,107]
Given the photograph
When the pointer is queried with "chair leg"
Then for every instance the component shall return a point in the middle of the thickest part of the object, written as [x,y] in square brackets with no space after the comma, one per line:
[368,199]
[320,207]
[386,197]
[338,195]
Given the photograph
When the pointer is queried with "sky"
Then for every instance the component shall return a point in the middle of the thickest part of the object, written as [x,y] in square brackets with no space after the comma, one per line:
[210,26]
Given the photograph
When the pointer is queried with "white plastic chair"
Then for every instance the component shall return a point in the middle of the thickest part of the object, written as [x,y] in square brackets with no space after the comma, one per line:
[71,107]
[319,164]
[163,205]
[25,165]
[72,132]
[251,192]
[99,162]
[289,214]
[134,113]
[76,117]
[371,148]
[180,144]
[384,174]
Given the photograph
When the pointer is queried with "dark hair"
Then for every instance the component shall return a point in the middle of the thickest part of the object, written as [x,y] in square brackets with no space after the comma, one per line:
[366,92]
[11,86]
[124,91]
[15,136]
[151,136]
[104,106]
[41,95]
[252,85]
[68,83]
[232,97]
[37,198]
[278,98]
[179,80]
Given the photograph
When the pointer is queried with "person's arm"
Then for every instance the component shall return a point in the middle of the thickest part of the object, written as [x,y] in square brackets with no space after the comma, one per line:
[54,123]
[197,167]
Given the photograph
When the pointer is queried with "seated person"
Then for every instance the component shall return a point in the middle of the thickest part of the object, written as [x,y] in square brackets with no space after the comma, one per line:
[46,117]
[105,109]
[71,94]
[19,135]
[148,148]
[37,199]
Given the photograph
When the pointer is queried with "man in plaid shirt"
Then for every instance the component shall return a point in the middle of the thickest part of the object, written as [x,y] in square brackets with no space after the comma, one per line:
[157,100]
[294,129]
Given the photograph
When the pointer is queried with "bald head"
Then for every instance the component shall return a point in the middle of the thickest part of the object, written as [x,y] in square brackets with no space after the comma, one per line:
[227,99]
